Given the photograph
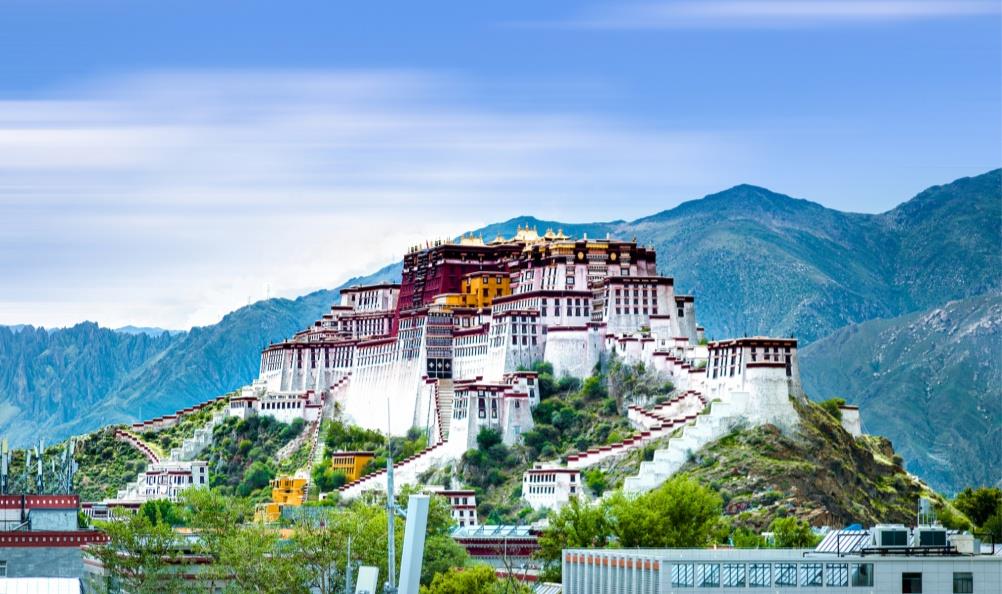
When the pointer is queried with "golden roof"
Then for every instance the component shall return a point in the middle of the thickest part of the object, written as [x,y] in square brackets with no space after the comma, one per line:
[471,240]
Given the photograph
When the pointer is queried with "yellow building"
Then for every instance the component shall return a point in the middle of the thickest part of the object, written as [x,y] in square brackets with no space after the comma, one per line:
[351,463]
[480,289]
[285,491]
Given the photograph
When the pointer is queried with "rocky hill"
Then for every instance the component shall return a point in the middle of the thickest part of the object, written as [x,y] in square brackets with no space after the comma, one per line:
[930,379]
[820,474]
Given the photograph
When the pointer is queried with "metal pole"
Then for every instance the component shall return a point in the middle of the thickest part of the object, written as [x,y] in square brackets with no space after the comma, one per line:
[417,524]
[391,548]
[347,570]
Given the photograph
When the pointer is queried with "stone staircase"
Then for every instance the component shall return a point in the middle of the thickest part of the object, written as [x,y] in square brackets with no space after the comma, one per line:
[194,445]
[444,394]
[723,417]
[165,421]
[316,449]
[137,443]
[661,427]
[405,472]
[687,403]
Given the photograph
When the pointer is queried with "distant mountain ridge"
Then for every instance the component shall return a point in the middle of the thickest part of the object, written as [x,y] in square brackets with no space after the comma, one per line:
[52,377]
[932,379]
[759,262]
[146,330]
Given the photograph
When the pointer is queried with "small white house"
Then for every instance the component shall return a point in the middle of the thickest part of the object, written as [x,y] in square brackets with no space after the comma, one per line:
[550,487]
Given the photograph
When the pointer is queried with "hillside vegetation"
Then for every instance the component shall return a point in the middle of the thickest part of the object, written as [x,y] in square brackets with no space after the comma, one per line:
[105,465]
[242,454]
[821,475]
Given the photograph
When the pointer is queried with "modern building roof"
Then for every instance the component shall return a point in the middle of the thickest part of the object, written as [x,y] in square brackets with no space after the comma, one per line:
[41,585]
[493,531]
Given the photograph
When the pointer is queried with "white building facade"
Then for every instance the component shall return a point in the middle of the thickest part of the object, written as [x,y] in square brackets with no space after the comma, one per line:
[546,487]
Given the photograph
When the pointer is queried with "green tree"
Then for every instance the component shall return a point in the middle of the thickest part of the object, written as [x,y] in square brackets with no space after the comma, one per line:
[488,438]
[141,556]
[833,406]
[257,476]
[744,538]
[253,560]
[594,388]
[576,525]
[597,481]
[480,579]
[948,516]
[680,513]
[979,504]
[161,510]
[791,533]
[993,528]
[441,555]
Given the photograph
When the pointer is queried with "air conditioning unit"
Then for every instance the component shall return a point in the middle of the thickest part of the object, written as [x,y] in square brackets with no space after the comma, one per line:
[887,536]
[929,536]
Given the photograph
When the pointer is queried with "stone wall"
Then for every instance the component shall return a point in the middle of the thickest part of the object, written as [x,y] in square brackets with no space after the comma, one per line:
[61,562]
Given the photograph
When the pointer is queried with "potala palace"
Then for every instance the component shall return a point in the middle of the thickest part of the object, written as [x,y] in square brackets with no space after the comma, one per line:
[445,350]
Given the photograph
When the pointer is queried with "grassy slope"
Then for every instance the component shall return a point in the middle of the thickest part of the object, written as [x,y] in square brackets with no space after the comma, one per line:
[820,474]
[105,465]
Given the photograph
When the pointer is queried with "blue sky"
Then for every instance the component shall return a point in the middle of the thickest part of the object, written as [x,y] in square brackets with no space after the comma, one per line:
[164,163]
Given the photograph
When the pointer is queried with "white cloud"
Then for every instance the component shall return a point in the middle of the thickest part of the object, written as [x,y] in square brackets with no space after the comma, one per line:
[170,199]
[771,13]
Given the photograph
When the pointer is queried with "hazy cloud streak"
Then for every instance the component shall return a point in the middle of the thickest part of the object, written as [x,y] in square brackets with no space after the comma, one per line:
[771,13]
[171,199]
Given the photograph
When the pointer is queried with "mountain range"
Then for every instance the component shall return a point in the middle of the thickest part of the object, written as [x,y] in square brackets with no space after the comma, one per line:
[758,262]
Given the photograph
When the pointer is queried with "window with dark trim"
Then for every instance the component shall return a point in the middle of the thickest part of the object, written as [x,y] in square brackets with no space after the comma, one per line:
[911,583]
[963,582]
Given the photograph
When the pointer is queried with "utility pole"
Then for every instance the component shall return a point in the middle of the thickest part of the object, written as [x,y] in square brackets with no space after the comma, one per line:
[391,510]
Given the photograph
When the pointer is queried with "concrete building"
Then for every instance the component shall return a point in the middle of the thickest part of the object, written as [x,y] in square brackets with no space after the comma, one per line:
[884,560]
[505,548]
[40,537]
[351,463]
